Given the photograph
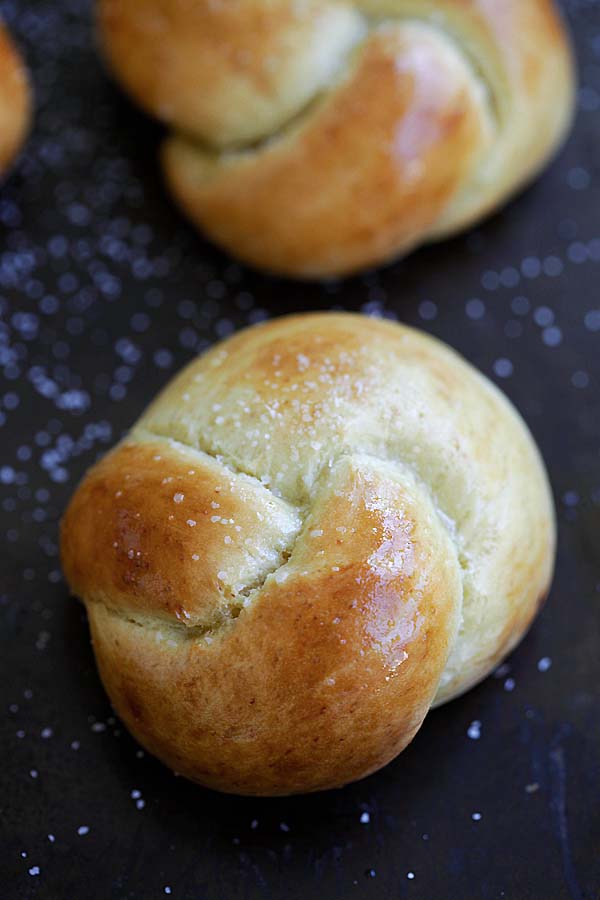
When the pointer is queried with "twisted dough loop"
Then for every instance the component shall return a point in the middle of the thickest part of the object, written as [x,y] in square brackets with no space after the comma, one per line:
[317,138]
[15,101]
[320,528]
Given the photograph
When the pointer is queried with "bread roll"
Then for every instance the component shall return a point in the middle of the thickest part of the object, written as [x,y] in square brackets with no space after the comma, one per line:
[15,101]
[321,528]
[318,138]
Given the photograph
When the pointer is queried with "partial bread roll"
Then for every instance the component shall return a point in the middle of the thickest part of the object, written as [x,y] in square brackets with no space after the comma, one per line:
[321,527]
[15,101]
[317,138]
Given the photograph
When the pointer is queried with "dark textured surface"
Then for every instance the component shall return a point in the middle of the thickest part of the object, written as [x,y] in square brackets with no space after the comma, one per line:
[104,293]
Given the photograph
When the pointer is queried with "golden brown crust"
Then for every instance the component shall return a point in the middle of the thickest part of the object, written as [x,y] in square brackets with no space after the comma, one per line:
[15,101]
[339,189]
[230,72]
[321,527]
[174,528]
[324,676]
[319,138]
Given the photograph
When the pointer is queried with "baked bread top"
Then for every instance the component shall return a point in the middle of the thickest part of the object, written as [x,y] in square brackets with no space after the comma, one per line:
[317,138]
[321,527]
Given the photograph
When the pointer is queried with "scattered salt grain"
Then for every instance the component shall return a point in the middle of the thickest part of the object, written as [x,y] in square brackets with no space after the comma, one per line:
[474,730]
[475,309]
[580,379]
[503,368]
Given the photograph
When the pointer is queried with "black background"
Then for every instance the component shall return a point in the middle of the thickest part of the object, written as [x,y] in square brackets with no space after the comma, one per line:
[105,292]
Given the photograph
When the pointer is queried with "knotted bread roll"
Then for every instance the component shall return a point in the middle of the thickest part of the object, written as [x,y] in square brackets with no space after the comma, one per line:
[317,137]
[15,101]
[321,527]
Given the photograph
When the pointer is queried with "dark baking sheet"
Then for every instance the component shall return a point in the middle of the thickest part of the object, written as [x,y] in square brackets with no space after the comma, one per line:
[105,292]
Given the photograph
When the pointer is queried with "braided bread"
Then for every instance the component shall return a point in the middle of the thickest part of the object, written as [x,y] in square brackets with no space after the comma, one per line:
[322,526]
[316,138]
[15,101]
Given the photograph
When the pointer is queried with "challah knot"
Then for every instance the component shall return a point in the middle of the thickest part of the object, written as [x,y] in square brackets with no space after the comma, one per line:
[323,526]
[316,138]
[15,101]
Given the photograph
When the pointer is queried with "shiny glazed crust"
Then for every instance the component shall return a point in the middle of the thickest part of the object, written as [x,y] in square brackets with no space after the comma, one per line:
[15,101]
[320,528]
[319,138]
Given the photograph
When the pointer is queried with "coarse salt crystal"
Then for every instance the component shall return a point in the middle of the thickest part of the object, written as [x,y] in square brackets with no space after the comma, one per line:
[474,730]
